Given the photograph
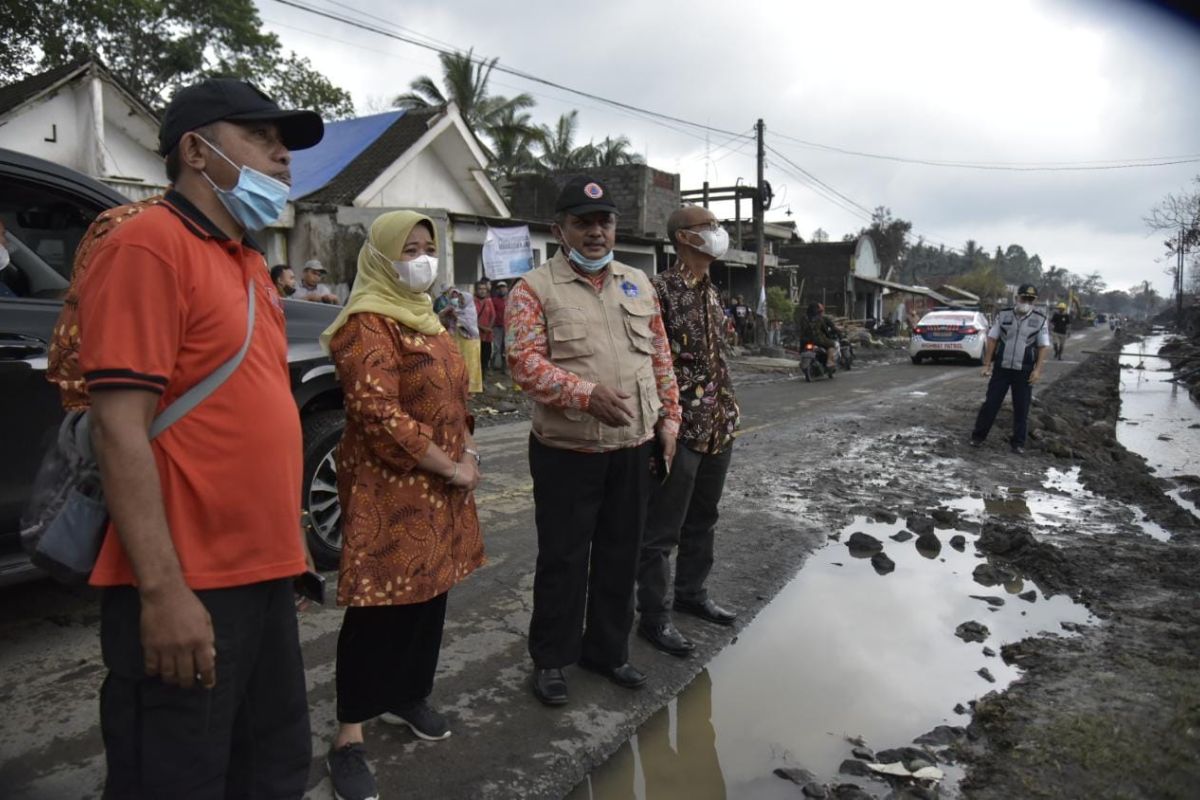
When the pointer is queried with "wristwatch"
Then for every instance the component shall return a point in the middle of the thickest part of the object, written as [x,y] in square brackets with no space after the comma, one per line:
[475,453]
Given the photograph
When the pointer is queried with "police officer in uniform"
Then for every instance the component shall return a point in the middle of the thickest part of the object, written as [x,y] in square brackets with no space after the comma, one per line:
[1017,345]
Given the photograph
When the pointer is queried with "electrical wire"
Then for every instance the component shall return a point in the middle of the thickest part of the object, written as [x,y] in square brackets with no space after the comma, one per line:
[417,39]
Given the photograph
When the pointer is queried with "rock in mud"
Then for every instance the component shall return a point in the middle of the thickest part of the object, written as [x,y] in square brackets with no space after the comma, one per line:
[1004,539]
[1029,597]
[929,545]
[902,536]
[958,542]
[990,575]
[944,517]
[986,674]
[850,791]
[942,734]
[959,708]
[815,790]
[796,775]
[884,516]
[990,599]
[882,564]
[989,652]
[972,631]
[863,544]
[852,766]
[919,523]
[904,755]
[865,753]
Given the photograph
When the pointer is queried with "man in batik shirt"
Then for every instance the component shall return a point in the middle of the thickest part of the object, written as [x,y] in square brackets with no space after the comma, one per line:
[683,508]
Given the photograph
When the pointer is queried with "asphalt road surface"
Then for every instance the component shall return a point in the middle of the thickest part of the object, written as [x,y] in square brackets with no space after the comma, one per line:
[505,744]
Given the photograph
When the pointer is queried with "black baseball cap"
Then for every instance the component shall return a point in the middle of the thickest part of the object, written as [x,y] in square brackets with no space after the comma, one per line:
[232,100]
[1026,290]
[584,195]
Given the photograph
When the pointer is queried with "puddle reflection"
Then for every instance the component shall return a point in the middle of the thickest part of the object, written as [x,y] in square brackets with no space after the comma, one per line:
[841,651]
[1153,407]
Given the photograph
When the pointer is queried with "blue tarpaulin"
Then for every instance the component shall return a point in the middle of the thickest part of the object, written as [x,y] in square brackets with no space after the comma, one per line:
[344,141]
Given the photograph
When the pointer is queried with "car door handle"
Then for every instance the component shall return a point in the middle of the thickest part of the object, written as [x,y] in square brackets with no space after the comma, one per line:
[18,347]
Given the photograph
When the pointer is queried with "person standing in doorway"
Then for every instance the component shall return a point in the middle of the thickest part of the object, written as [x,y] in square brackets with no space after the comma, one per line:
[1018,343]
[485,313]
[587,345]
[683,508]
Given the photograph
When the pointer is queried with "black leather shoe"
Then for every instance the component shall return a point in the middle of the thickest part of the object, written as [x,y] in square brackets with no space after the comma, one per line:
[1017,449]
[550,686]
[706,610]
[666,637]
[626,675]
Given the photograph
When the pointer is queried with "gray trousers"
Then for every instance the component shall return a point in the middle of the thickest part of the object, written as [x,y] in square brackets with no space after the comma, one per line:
[683,514]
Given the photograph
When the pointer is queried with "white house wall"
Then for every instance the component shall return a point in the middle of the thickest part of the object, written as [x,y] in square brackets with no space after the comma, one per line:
[423,183]
[27,128]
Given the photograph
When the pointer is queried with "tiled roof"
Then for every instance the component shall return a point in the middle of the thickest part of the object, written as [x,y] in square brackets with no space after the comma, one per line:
[14,94]
[375,159]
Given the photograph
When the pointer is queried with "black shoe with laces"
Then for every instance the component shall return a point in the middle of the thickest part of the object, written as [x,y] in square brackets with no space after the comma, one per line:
[422,720]
[350,774]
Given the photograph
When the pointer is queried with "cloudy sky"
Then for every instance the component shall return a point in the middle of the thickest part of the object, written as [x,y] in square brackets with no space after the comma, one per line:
[1019,83]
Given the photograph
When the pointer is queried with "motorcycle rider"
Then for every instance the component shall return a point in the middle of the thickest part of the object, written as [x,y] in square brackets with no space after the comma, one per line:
[1060,329]
[815,327]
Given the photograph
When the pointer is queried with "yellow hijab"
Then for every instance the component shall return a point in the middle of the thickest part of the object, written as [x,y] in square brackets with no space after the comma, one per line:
[376,288]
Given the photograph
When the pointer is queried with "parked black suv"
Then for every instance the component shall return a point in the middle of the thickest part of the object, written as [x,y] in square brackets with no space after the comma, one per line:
[46,210]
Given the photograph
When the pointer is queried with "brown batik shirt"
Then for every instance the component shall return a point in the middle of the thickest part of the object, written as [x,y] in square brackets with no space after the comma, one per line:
[695,324]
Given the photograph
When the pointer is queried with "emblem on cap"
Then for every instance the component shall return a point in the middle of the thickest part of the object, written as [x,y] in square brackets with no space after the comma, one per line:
[593,191]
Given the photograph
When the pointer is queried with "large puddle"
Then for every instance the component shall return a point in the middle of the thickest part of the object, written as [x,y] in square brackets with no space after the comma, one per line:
[1156,414]
[842,651]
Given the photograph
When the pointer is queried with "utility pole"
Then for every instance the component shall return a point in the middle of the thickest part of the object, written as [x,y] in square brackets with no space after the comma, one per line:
[1179,283]
[759,213]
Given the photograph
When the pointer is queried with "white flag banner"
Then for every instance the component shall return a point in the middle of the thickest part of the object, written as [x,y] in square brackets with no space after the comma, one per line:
[762,302]
[507,253]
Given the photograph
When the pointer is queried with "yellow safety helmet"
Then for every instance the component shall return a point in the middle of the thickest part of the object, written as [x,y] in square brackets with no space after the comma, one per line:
[1061,306]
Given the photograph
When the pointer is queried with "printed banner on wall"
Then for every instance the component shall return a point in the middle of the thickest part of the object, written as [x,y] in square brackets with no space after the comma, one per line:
[507,253]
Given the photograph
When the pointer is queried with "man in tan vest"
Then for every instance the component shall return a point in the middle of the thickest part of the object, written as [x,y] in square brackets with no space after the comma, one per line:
[586,342]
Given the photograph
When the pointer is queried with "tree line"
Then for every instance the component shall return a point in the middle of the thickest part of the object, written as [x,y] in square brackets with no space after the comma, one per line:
[988,273]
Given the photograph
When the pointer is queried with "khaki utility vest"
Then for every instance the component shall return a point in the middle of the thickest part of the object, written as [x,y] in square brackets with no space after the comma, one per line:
[603,337]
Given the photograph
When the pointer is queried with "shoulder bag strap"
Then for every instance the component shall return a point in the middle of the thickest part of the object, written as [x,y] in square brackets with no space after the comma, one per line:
[200,392]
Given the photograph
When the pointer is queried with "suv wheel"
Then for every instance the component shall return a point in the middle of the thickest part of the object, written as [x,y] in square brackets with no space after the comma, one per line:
[322,514]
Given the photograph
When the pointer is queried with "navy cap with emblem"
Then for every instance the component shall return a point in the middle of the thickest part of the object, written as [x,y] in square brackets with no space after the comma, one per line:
[584,195]
[1027,290]
[232,100]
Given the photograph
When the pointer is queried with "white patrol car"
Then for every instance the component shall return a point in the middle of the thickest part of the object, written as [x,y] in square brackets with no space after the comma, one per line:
[949,333]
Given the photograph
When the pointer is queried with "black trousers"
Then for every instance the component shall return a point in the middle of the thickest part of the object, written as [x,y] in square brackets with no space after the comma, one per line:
[247,737]
[386,657]
[683,513]
[1022,395]
[485,355]
[590,510]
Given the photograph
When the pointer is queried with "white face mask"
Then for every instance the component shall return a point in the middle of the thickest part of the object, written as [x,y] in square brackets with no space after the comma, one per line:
[716,242]
[4,257]
[1024,308]
[418,274]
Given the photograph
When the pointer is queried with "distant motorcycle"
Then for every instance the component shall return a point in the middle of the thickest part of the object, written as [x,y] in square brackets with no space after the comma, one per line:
[812,363]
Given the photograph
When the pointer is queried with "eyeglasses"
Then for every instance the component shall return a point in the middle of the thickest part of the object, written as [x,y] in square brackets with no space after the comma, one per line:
[707,226]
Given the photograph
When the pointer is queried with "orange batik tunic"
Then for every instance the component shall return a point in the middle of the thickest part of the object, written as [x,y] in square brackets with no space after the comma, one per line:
[408,536]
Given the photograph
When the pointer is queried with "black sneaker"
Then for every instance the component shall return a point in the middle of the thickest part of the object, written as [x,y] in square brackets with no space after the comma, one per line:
[350,774]
[422,720]
[976,442]
[1017,449]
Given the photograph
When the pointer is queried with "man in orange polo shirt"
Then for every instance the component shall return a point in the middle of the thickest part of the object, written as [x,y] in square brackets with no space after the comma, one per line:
[205,693]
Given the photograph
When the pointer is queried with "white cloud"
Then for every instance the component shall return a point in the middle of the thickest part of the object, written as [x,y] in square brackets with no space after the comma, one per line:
[1021,81]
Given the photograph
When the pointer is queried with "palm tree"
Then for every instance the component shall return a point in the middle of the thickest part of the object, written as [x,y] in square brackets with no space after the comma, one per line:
[513,138]
[559,153]
[466,85]
[615,152]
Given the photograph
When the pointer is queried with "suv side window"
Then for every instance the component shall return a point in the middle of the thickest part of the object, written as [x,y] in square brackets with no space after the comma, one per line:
[43,227]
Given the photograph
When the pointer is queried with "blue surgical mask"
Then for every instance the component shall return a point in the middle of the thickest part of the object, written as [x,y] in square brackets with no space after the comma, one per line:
[256,201]
[590,264]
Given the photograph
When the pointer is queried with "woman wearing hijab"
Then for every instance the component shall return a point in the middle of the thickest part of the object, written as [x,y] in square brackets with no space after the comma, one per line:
[457,314]
[407,467]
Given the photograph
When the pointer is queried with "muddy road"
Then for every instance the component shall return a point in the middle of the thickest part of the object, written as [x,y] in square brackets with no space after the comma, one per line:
[882,442]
